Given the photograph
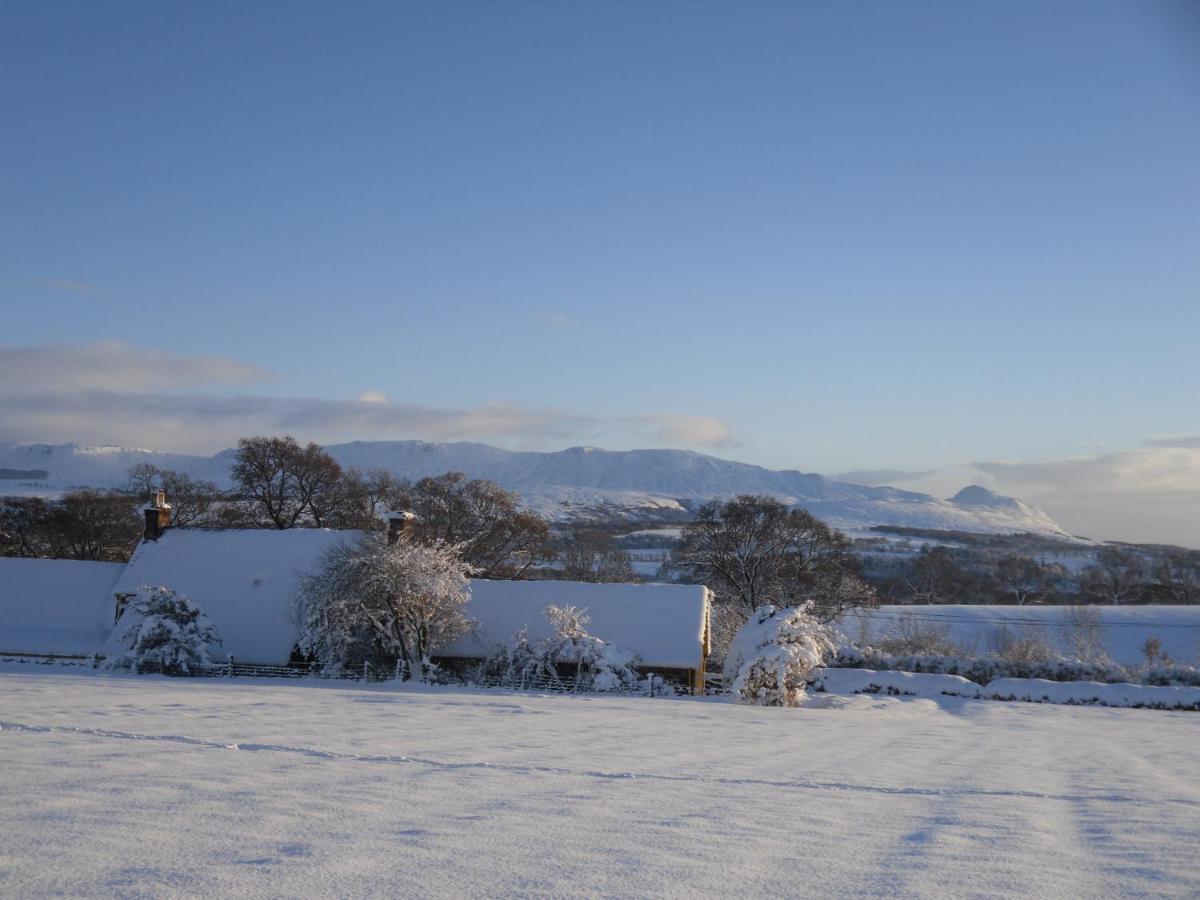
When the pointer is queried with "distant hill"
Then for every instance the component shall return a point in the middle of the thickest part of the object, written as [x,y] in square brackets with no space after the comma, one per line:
[585,481]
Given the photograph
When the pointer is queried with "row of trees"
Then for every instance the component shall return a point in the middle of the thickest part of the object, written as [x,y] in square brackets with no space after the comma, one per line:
[93,525]
[1118,575]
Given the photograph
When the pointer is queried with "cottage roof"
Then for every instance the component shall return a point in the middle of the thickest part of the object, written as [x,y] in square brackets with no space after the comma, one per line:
[55,606]
[244,580]
[664,624]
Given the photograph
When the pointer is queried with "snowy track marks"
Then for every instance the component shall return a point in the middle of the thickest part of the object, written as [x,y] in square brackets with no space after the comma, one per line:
[584,773]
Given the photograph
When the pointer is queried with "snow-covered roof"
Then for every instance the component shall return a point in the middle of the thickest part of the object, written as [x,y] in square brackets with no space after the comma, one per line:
[664,624]
[244,580]
[55,606]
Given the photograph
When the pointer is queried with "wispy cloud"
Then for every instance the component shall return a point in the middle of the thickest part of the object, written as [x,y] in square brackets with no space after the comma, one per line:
[1179,440]
[693,431]
[1150,494]
[109,392]
[881,476]
[115,366]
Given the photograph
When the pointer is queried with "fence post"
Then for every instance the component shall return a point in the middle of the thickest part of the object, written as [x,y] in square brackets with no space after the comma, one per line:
[366,670]
[399,673]
[229,664]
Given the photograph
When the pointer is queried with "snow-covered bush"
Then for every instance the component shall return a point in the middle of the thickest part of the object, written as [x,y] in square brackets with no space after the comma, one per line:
[772,655]
[572,658]
[162,631]
[1024,646]
[397,601]
[983,669]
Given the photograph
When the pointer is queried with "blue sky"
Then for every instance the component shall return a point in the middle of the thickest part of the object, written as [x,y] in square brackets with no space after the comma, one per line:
[822,236]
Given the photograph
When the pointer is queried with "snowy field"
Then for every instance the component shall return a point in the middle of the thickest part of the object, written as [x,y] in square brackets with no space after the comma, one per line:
[140,787]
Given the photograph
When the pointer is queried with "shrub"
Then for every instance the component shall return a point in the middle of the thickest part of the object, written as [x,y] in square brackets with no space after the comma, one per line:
[572,658]
[162,631]
[772,655]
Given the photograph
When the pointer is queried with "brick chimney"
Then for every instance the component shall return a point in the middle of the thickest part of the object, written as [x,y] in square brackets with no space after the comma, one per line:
[400,523]
[158,516]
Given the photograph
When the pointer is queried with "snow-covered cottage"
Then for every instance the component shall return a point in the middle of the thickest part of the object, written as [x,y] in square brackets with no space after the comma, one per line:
[243,579]
[55,607]
[666,625]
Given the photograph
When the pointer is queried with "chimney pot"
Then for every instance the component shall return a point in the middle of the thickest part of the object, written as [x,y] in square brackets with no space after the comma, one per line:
[158,516]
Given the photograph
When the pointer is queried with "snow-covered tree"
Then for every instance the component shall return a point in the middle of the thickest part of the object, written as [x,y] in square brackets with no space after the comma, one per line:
[771,656]
[572,657]
[402,599]
[162,631]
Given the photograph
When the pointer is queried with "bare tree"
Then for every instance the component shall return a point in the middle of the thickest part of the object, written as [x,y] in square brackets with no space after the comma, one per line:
[592,555]
[1116,577]
[357,500]
[27,527]
[1024,579]
[405,599]
[1176,577]
[143,480]
[318,477]
[1085,634]
[192,500]
[98,525]
[753,550]
[496,536]
[937,577]
[285,479]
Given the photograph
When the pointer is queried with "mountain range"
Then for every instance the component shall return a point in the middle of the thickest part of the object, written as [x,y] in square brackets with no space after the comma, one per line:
[577,482]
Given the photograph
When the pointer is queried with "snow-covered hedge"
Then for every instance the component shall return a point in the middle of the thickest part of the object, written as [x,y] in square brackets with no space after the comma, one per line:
[866,681]
[1037,690]
[1033,690]
[985,669]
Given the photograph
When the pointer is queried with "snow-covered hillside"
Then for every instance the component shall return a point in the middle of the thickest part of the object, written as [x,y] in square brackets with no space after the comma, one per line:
[155,787]
[586,481]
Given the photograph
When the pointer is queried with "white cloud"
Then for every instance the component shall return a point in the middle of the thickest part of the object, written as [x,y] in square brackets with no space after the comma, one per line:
[109,392]
[1146,495]
[1178,440]
[692,431]
[875,477]
[115,366]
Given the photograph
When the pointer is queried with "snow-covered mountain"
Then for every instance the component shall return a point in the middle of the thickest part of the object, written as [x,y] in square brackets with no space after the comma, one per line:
[583,481]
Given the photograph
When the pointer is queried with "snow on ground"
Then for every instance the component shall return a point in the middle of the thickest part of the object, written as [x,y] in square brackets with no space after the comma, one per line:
[155,787]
